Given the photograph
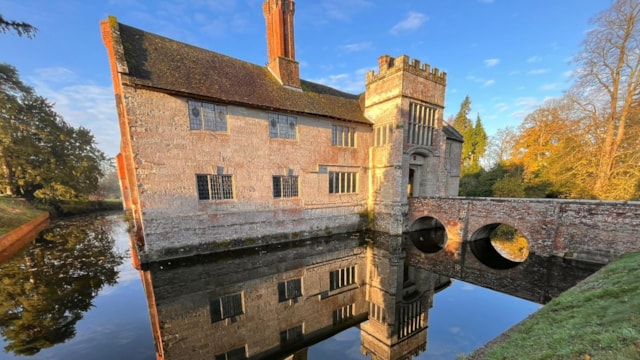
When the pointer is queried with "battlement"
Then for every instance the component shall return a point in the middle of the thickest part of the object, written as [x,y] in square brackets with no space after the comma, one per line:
[388,65]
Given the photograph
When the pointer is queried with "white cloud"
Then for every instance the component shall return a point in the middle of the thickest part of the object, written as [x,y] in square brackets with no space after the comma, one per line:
[343,10]
[412,22]
[491,62]
[550,86]
[538,71]
[355,47]
[480,80]
[523,107]
[534,59]
[81,104]
[350,83]
[502,106]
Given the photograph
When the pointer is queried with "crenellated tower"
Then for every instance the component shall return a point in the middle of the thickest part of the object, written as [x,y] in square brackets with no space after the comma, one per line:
[405,100]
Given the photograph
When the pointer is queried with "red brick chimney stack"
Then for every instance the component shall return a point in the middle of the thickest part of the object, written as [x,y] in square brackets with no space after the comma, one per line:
[280,45]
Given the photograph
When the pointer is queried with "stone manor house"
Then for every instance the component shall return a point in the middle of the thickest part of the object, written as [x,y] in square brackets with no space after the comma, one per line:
[218,153]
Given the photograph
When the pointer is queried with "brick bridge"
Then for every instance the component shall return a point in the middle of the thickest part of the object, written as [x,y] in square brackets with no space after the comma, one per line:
[581,229]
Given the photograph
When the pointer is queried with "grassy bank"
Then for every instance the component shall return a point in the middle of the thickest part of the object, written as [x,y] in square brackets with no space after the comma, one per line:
[15,212]
[597,319]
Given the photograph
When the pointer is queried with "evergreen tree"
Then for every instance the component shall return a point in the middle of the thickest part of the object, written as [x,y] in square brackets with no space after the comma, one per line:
[41,156]
[475,138]
[19,27]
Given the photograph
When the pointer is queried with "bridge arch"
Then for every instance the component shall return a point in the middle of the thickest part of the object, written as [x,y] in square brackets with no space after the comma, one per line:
[499,245]
[428,234]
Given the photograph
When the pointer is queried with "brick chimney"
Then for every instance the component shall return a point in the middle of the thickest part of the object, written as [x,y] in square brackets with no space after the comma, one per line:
[280,45]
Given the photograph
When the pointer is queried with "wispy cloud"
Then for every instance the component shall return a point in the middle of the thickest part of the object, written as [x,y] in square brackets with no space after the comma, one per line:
[538,71]
[343,10]
[347,82]
[524,106]
[502,106]
[534,59]
[81,104]
[486,1]
[550,86]
[412,22]
[480,80]
[355,47]
[491,62]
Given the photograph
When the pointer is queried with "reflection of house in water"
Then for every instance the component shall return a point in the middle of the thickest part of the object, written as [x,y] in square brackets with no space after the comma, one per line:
[276,301]
[219,153]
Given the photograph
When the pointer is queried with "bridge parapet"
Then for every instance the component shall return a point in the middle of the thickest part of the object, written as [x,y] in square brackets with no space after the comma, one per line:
[586,229]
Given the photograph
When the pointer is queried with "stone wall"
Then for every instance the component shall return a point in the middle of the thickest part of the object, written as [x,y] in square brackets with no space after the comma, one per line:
[168,155]
[583,229]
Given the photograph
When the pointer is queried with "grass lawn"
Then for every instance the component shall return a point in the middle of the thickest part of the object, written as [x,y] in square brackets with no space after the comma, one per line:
[597,319]
[15,212]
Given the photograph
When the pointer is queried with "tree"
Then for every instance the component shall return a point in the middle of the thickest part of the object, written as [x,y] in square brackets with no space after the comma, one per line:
[607,91]
[41,156]
[21,28]
[499,147]
[475,138]
[479,142]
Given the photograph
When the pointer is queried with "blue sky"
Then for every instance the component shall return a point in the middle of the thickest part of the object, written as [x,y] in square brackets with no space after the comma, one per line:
[507,55]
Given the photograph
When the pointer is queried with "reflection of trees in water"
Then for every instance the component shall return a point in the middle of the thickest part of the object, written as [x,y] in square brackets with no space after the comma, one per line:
[48,286]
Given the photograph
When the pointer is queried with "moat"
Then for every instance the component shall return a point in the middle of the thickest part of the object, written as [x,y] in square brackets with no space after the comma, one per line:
[73,293]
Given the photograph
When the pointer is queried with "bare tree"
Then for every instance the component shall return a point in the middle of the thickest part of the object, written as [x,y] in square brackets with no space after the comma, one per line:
[607,86]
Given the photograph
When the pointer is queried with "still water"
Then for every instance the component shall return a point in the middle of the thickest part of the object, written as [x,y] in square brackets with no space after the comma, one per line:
[73,293]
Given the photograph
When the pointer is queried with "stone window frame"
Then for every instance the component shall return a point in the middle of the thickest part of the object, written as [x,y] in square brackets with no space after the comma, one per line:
[343,136]
[343,182]
[289,290]
[382,134]
[283,126]
[342,278]
[214,187]
[237,353]
[377,313]
[422,124]
[226,307]
[285,186]
[207,116]
[292,335]
[344,314]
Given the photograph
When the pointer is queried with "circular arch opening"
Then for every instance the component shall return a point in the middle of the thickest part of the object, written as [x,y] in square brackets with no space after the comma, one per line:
[499,246]
[428,234]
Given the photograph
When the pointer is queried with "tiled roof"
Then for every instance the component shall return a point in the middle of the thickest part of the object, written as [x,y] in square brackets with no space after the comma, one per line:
[168,65]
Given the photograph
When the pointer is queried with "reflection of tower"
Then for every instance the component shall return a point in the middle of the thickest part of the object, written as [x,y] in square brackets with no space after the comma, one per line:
[399,299]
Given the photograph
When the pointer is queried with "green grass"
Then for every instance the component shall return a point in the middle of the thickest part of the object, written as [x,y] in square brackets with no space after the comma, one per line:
[15,212]
[597,319]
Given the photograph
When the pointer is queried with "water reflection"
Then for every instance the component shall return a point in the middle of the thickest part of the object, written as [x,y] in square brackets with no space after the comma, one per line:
[276,301]
[537,278]
[47,287]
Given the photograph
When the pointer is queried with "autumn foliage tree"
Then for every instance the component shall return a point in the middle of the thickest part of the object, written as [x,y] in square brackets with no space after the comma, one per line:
[587,143]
